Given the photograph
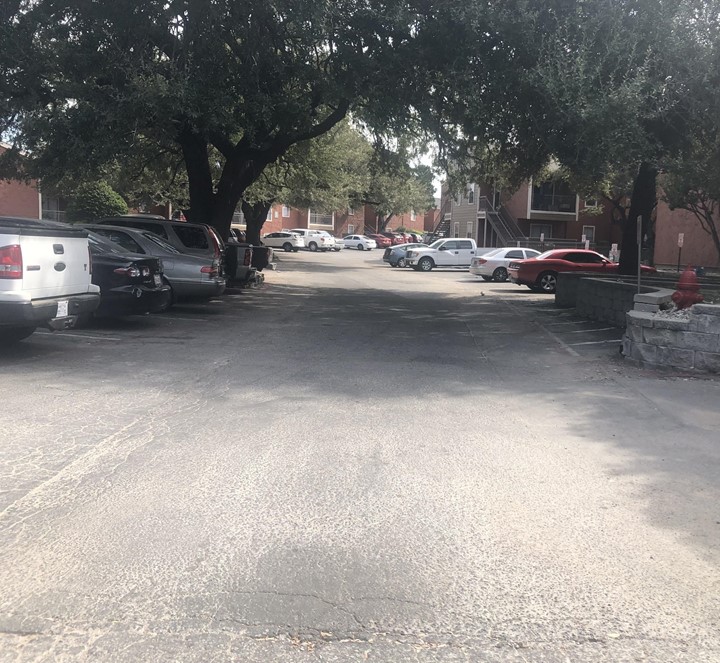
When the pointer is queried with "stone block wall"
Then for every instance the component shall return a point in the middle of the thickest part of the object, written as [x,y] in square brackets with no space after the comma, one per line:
[690,342]
[605,300]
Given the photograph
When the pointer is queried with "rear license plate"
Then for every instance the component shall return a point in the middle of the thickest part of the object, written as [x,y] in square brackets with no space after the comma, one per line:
[157,279]
[62,309]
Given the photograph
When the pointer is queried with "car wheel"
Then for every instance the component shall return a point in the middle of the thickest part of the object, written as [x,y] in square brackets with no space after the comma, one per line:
[425,264]
[295,250]
[360,247]
[486,278]
[402,262]
[500,274]
[15,334]
[287,247]
[547,282]
[313,246]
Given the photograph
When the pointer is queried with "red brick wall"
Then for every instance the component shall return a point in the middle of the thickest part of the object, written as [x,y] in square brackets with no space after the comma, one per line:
[19,199]
[698,248]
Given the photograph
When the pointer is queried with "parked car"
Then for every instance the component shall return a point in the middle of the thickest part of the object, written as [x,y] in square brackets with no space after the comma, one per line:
[394,238]
[492,266]
[45,277]
[189,276]
[397,255]
[332,242]
[286,240]
[382,241]
[196,238]
[315,240]
[130,284]
[442,253]
[540,274]
[359,242]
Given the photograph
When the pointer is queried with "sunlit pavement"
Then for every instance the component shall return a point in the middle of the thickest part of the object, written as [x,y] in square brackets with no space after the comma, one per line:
[356,463]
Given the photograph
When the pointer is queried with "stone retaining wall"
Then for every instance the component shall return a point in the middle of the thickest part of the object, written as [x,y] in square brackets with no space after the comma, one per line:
[691,342]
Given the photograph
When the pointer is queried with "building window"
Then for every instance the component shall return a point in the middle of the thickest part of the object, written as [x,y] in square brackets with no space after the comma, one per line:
[591,202]
[589,232]
[319,219]
[554,197]
[456,229]
[469,232]
[351,211]
[269,215]
[350,229]
[537,229]
[413,216]
[285,212]
[471,195]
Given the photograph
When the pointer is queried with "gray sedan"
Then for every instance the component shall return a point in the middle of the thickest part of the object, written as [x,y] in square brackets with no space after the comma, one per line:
[189,276]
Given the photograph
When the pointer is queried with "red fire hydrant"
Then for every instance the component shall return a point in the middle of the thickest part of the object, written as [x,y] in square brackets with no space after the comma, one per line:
[687,293]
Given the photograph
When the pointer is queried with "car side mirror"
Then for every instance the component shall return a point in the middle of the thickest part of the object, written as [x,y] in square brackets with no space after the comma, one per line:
[442,248]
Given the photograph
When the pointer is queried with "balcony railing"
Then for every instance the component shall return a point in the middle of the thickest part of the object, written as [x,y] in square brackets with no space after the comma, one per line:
[553,203]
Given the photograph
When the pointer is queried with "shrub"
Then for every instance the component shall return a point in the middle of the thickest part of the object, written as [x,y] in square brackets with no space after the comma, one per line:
[94,200]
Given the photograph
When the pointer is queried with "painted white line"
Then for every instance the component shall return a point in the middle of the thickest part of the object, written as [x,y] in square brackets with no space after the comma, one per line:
[559,341]
[177,317]
[62,334]
[611,340]
[575,322]
[585,331]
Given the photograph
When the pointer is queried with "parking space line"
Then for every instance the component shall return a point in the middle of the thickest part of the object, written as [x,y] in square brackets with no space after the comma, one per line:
[609,340]
[586,331]
[69,335]
[177,317]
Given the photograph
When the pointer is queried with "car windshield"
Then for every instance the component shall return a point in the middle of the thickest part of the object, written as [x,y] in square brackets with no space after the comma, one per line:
[547,254]
[437,243]
[160,242]
[489,254]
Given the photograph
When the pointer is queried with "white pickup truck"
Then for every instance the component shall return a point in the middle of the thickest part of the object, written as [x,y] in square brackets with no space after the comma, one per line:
[45,272]
[445,253]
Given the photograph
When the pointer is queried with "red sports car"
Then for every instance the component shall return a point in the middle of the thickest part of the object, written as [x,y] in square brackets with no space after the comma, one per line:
[540,274]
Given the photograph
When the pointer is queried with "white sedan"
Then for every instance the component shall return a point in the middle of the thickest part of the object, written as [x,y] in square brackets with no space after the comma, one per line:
[284,240]
[359,242]
[493,266]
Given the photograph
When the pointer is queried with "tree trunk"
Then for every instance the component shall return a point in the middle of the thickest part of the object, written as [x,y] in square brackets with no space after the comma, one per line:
[255,216]
[642,204]
[386,220]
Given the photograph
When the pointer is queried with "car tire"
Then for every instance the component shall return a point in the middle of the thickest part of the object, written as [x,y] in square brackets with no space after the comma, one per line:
[313,246]
[338,249]
[287,247]
[295,250]
[360,247]
[15,334]
[402,262]
[547,282]
[486,278]
[425,264]
[500,275]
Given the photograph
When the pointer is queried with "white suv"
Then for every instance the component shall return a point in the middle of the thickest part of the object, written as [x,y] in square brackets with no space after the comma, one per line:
[285,240]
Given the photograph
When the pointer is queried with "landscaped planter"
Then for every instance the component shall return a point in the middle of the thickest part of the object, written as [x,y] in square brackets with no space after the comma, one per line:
[688,339]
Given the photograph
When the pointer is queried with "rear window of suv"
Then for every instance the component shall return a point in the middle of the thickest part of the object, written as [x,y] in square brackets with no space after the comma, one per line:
[192,237]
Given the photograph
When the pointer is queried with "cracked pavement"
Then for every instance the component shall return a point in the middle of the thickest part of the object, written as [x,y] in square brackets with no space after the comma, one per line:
[356,463]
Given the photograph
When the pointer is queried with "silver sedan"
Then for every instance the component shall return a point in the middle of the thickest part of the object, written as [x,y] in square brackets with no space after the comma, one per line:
[189,276]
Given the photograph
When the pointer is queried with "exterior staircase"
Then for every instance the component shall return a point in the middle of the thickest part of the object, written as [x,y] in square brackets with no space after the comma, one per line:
[442,228]
[502,222]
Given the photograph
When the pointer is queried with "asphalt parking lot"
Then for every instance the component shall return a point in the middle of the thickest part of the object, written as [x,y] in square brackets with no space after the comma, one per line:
[354,462]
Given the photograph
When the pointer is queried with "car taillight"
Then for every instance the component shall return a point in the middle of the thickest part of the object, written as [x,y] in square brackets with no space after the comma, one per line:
[89,260]
[248,258]
[213,269]
[481,261]
[132,272]
[11,264]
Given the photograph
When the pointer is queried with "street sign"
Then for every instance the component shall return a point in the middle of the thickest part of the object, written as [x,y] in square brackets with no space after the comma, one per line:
[681,239]
[583,239]
[542,237]
[587,244]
